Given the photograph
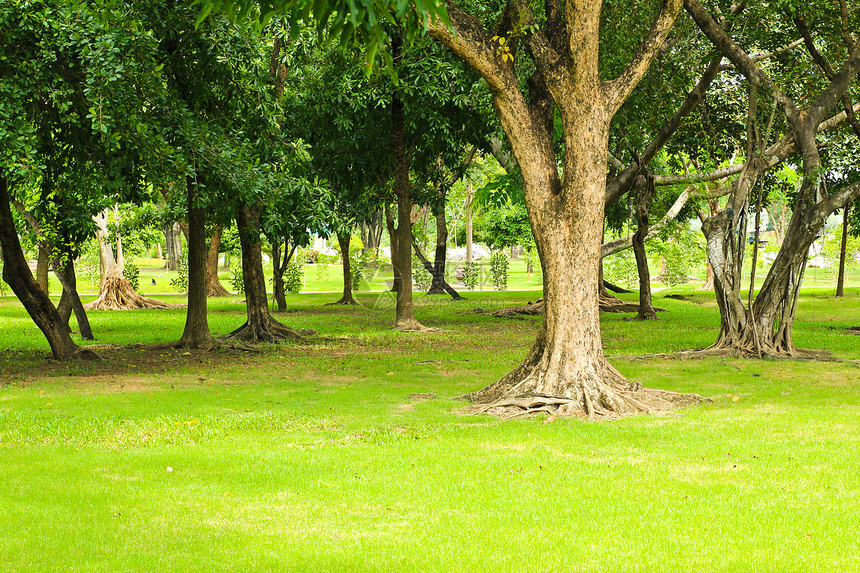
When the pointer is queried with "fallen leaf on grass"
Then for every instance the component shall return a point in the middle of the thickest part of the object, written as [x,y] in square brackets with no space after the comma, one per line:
[551,419]
[735,398]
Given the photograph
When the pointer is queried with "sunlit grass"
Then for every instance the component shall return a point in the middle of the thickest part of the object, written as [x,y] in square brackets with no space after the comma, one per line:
[315,457]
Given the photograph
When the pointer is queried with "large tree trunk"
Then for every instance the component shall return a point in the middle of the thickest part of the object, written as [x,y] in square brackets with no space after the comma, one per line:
[566,370]
[115,292]
[16,273]
[343,240]
[646,190]
[196,333]
[213,285]
[259,326]
[765,327]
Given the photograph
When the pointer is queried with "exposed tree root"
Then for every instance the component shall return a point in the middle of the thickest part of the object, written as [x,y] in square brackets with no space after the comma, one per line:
[344,300]
[214,288]
[607,304]
[611,397]
[215,344]
[86,354]
[412,325]
[269,330]
[608,405]
[117,294]
[797,354]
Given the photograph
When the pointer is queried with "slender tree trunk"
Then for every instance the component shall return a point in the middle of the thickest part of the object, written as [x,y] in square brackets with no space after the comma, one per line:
[402,257]
[278,268]
[470,195]
[68,280]
[646,191]
[437,270]
[120,254]
[170,240]
[343,240]
[393,237]
[843,247]
[259,326]
[196,333]
[160,254]
[213,285]
[16,273]
[709,278]
[445,286]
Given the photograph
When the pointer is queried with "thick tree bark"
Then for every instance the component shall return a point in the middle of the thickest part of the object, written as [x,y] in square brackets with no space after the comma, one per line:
[196,333]
[213,285]
[16,273]
[343,240]
[42,270]
[646,191]
[259,326]
[115,292]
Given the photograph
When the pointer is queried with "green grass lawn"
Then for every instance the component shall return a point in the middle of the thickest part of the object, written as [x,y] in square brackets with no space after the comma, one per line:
[315,457]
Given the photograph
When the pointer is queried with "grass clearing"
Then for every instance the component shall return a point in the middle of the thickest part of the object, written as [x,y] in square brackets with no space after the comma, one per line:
[310,457]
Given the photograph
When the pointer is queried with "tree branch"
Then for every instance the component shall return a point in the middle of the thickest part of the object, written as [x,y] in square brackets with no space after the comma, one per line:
[737,55]
[766,55]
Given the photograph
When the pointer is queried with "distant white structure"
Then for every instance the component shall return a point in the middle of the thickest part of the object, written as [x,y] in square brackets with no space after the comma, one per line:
[459,254]
[321,245]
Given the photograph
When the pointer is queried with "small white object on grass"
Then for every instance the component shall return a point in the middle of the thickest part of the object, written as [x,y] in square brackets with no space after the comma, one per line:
[169,469]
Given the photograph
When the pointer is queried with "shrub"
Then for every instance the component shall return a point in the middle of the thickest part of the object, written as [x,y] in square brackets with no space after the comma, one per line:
[499,270]
[420,276]
[621,268]
[132,273]
[237,280]
[180,281]
[470,275]
[363,266]
[293,277]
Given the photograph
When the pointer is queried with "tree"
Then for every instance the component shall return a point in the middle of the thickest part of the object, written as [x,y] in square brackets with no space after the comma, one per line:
[566,369]
[765,326]
[72,127]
